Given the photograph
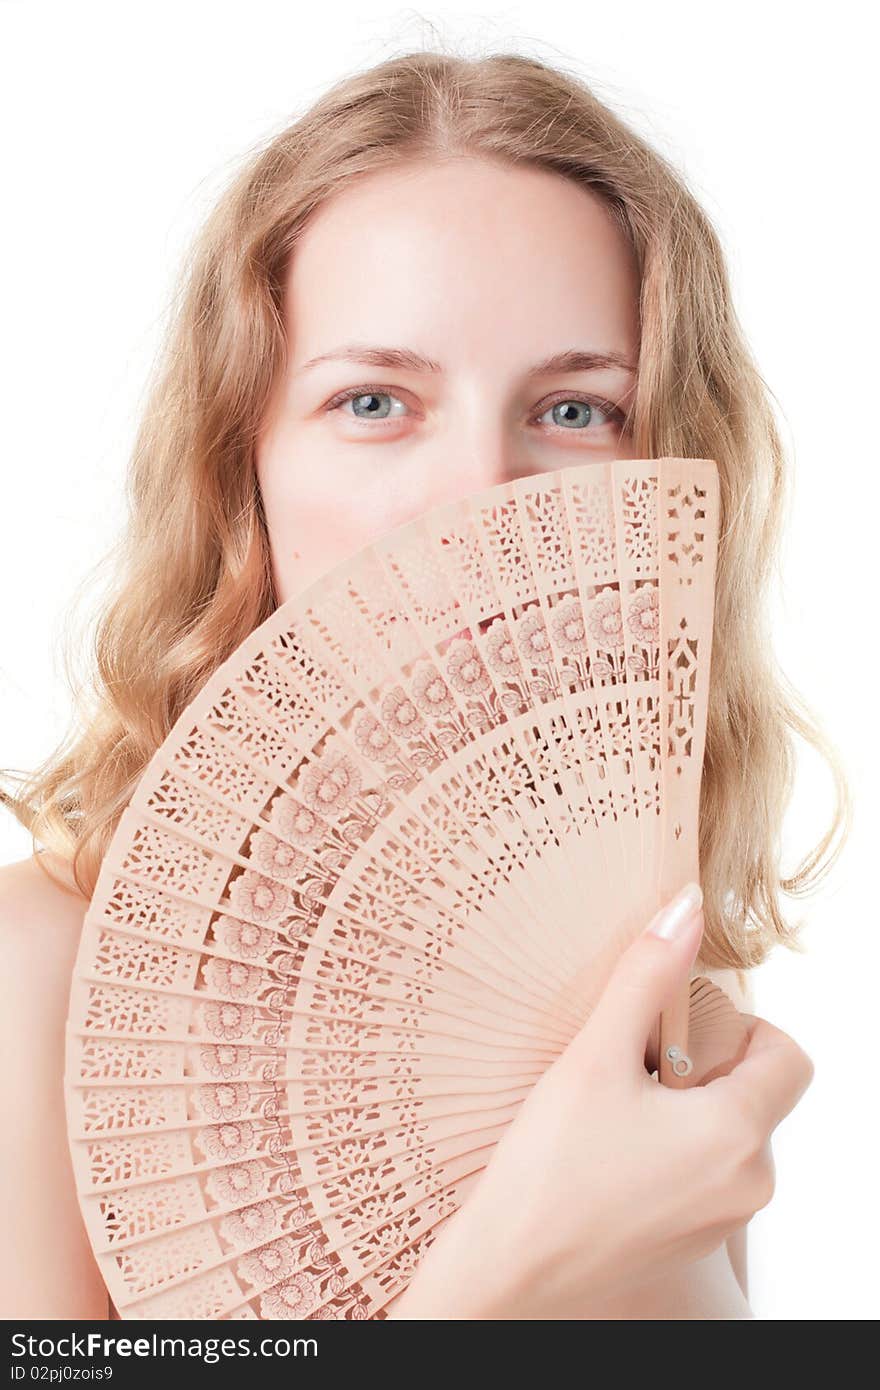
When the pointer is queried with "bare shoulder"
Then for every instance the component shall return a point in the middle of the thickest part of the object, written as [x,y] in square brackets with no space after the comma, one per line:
[30,898]
[40,925]
[27,884]
[50,1271]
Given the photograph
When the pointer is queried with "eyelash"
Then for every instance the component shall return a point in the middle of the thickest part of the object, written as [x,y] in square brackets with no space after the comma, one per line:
[607,407]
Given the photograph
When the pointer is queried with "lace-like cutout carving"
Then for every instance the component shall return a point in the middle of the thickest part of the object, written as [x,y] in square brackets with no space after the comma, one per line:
[365,891]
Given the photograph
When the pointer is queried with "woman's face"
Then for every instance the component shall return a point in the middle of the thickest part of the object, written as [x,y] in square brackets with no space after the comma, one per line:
[434,295]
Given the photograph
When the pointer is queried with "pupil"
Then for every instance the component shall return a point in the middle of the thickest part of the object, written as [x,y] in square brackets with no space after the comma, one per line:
[373,409]
[568,411]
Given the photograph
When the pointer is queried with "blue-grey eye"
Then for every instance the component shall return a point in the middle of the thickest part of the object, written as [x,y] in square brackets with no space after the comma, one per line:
[370,406]
[573,414]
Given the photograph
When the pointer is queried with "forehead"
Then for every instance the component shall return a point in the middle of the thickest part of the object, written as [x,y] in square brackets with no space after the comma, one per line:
[464,252]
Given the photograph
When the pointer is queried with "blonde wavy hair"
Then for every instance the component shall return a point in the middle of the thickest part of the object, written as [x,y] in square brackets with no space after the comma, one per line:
[193,575]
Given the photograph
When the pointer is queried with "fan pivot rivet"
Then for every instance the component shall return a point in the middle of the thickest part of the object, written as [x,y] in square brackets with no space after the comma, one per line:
[681,1062]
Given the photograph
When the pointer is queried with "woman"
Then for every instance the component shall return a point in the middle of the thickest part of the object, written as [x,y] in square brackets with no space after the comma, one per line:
[448,273]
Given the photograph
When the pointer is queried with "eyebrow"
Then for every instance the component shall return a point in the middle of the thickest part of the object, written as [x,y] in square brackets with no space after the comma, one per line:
[405,359]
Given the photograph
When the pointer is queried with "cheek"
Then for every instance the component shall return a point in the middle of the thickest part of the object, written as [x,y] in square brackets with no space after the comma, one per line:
[321,512]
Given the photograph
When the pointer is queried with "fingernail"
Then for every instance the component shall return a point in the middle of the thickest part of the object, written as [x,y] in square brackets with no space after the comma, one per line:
[673,920]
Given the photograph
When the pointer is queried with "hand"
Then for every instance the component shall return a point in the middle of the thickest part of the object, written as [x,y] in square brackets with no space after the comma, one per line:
[605,1178]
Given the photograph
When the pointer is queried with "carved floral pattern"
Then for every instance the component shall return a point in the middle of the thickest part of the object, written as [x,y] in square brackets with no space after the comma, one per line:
[347,840]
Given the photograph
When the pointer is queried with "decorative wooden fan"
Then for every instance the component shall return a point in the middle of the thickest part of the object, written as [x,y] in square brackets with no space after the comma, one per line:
[375,879]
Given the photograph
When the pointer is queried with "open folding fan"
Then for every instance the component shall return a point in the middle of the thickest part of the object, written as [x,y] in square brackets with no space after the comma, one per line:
[375,879]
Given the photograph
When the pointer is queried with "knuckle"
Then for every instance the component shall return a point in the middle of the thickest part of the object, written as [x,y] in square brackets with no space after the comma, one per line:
[808,1068]
[800,1064]
[745,1131]
[738,1163]
[761,1181]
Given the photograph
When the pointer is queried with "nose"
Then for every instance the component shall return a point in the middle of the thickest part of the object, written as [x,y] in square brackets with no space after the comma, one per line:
[471,458]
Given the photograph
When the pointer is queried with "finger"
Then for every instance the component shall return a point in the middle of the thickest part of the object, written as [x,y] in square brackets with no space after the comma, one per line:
[771,1077]
[644,981]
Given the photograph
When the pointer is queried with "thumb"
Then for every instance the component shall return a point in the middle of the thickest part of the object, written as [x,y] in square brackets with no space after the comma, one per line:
[644,981]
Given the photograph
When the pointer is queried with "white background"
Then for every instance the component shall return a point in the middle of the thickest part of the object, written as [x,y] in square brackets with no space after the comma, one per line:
[120,123]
